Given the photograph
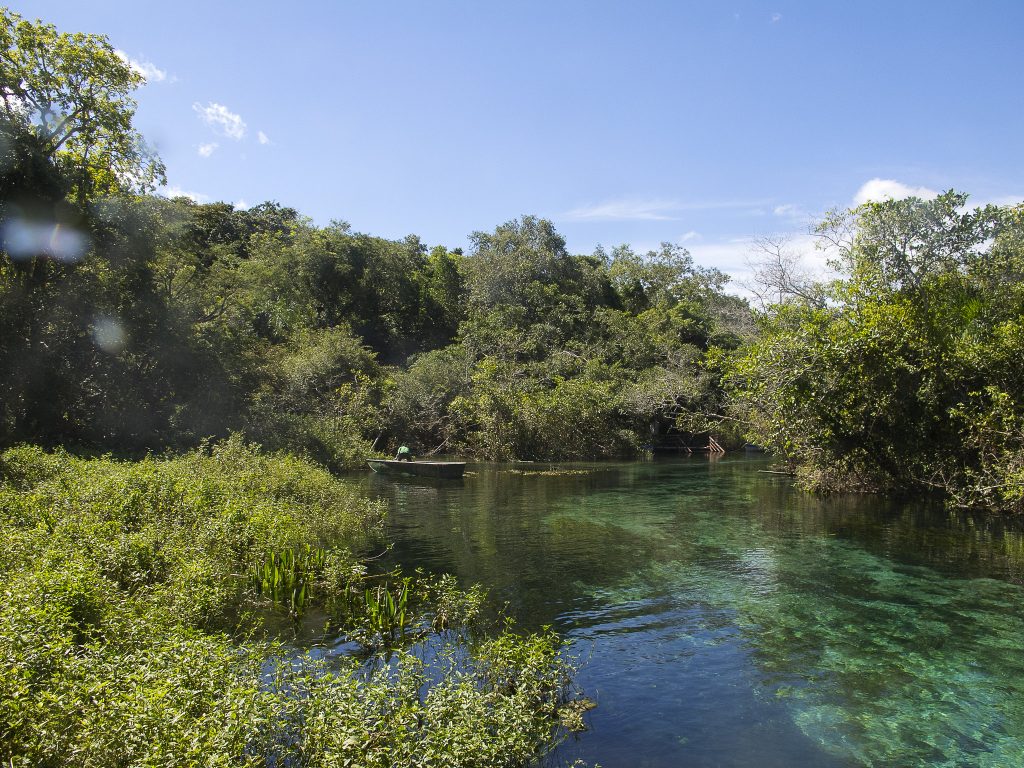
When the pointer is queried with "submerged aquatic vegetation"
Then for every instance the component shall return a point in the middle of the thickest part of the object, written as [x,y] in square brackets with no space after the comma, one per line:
[551,472]
[877,661]
[127,635]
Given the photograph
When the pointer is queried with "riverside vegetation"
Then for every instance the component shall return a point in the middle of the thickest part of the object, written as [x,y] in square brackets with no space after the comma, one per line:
[129,630]
[905,373]
[132,323]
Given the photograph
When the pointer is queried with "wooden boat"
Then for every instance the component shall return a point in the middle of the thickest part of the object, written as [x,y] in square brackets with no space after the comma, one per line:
[448,470]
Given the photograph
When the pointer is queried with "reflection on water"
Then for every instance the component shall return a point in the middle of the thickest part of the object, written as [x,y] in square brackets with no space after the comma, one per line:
[726,620]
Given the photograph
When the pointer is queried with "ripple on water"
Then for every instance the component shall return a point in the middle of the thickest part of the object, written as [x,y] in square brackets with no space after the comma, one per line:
[725,620]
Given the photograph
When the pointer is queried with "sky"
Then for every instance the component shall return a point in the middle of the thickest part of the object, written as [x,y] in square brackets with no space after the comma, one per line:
[705,124]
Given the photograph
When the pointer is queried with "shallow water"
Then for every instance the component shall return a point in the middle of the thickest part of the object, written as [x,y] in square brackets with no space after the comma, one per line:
[724,619]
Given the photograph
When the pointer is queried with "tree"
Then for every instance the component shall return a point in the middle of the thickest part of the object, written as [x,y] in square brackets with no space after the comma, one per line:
[780,275]
[73,93]
[903,246]
[526,293]
[661,278]
[906,376]
[443,296]
[506,265]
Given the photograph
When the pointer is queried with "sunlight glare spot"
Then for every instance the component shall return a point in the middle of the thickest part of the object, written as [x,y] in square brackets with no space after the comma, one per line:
[25,239]
[109,335]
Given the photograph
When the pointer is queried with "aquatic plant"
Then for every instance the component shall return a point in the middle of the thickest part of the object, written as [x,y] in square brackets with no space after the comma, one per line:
[285,576]
[387,610]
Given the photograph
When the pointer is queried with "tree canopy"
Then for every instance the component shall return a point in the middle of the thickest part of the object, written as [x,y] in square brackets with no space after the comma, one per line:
[908,375]
[72,92]
[134,322]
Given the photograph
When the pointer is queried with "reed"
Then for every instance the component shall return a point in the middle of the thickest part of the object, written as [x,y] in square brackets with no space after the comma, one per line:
[285,576]
[387,609]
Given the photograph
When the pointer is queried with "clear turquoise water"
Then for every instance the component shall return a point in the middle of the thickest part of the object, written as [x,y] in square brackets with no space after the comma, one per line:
[724,619]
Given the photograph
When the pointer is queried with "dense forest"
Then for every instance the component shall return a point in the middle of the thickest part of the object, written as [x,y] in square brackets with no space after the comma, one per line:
[132,322]
[135,322]
[904,374]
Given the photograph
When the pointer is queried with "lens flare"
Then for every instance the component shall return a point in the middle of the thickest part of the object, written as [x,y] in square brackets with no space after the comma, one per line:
[28,239]
[109,335]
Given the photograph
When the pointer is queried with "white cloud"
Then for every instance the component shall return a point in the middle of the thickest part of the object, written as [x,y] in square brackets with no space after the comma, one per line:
[730,256]
[1001,200]
[623,210]
[738,257]
[205,150]
[221,118]
[196,197]
[776,18]
[789,209]
[241,204]
[647,210]
[263,139]
[878,190]
[147,69]
[691,235]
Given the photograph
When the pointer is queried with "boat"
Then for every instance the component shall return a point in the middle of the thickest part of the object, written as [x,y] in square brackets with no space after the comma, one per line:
[448,470]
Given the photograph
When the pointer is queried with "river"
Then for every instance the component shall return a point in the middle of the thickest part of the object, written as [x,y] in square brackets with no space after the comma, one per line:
[722,618]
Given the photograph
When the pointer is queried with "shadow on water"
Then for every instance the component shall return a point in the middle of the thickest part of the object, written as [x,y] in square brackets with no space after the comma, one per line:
[729,620]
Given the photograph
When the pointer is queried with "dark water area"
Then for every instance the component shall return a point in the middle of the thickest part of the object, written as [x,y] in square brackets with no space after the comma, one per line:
[724,619]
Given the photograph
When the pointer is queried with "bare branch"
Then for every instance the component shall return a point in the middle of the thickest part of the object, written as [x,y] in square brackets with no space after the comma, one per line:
[780,275]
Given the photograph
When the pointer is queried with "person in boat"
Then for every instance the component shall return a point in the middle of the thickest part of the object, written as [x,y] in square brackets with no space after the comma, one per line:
[404,454]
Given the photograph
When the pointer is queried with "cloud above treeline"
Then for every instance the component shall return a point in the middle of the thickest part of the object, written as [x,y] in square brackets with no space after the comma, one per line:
[649,209]
[624,210]
[877,190]
[175,191]
[221,119]
[147,69]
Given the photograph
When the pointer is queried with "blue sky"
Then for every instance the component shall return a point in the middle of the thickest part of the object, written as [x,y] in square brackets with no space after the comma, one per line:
[706,124]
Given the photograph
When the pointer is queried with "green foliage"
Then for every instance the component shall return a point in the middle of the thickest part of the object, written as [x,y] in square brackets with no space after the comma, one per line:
[285,576]
[417,403]
[160,323]
[72,92]
[906,378]
[549,366]
[662,278]
[387,611]
[175,533]
[127,635]
[465,712]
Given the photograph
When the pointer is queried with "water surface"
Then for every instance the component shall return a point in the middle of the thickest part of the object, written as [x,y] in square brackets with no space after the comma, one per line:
[724,619]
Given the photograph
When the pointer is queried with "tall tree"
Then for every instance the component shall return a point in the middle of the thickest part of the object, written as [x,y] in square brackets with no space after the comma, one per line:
[72,91]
